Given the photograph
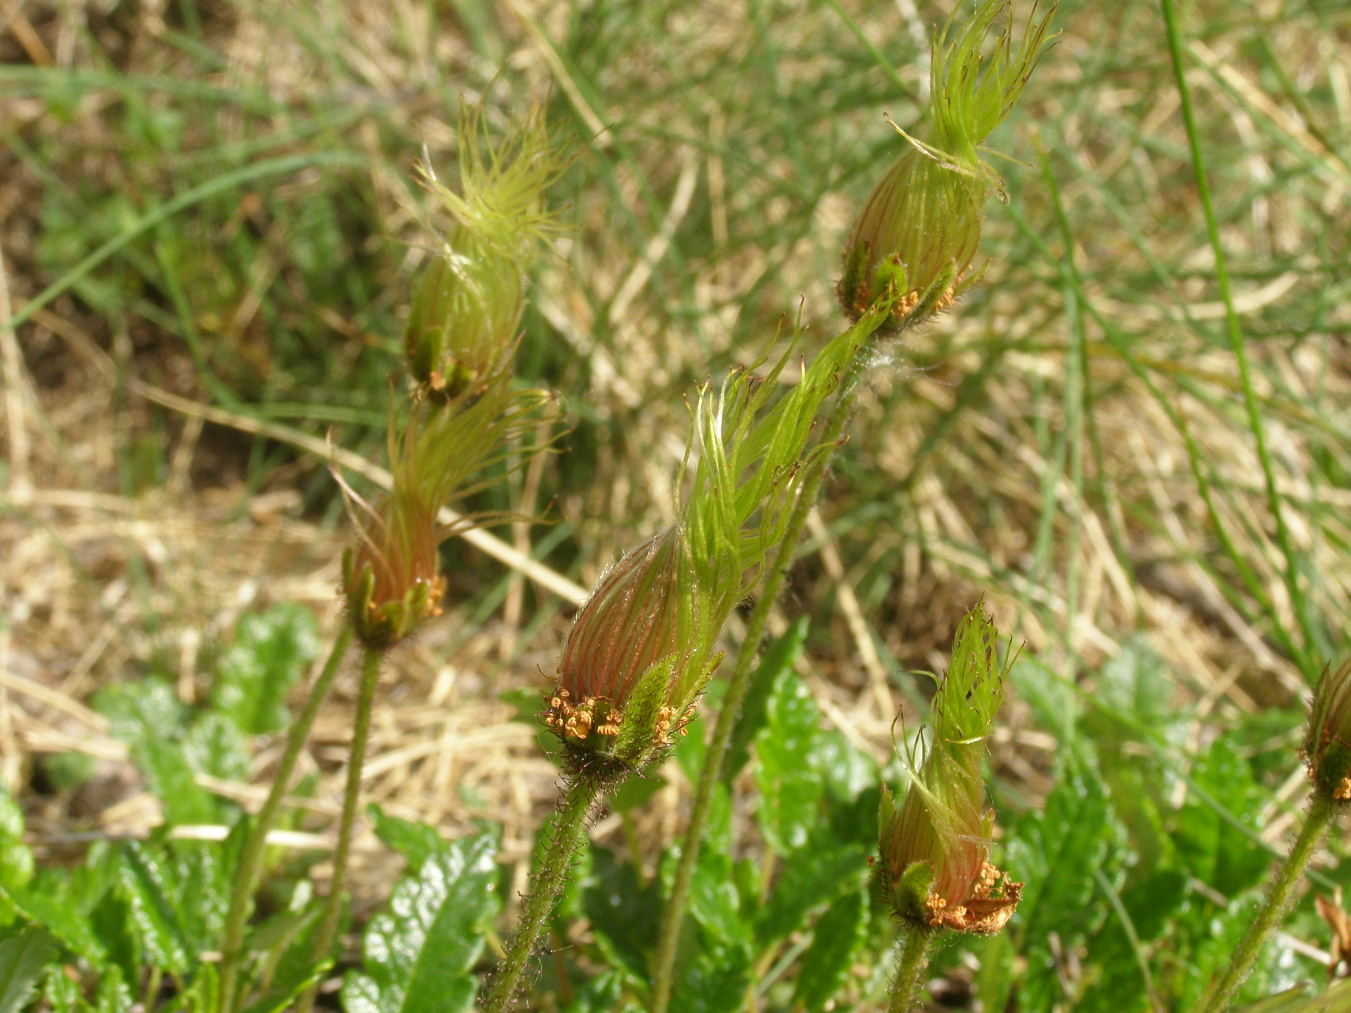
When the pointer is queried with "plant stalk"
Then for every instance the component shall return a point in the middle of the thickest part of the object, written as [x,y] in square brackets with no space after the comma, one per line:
[737,686]
[909,975]
[356,758]
[1322,811]
[255,844]
[573,805]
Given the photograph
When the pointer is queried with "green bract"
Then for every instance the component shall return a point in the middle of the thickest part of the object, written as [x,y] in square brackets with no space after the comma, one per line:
[919,231]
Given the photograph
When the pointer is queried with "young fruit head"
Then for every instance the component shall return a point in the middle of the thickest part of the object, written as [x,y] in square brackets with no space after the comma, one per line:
[934,847]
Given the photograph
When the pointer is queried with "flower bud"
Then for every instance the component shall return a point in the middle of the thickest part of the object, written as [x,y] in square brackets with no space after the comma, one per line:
[934,848]
[634,659]
[1327,742]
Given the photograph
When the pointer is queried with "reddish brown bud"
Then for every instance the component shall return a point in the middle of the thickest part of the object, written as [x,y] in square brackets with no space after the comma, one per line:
[630,664]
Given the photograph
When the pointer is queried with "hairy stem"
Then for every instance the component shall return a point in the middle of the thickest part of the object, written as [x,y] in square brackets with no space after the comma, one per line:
[909,975]
[737,686]
[356,759]
[1322,811]
[573,805]
[255,844]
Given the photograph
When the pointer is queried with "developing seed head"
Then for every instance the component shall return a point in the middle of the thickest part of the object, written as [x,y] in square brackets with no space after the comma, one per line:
[634,660]
[391,579]
[934,847]
[916,240]
[468,302]
[1327,741]
[917,237]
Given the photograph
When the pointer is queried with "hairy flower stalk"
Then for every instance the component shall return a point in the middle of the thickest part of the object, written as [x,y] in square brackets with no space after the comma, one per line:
[934,847]
[920,230]
[466,426]
[468,303]
[1327,759]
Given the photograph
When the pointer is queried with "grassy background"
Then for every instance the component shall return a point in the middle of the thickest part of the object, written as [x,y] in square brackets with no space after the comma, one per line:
[209,226]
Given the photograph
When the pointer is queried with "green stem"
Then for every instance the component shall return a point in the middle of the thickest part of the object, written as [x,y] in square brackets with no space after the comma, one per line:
[255,845]
[356,759]
[914,959]
[573,805]
[1322,811]
[737,685]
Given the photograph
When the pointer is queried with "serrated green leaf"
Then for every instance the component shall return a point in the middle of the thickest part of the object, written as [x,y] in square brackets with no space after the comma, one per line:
[846,771]
[715,981]
[113,995]
[1136,683]
[1050,696]
[61,901]
[151,720]
[818,873]
[835,939]
[132,707]
[146,884]
[419,953]
[787,777]
[715,903]
[1056,853]
[24,957]
[61,992]
[214,745]
[270,651]
[202,889]
[601,993]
